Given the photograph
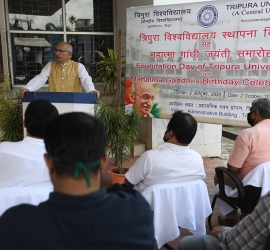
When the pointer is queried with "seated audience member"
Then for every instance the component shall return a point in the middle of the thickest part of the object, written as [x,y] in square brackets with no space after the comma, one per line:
[22,163]
[79,214]
[252,232]
[252,147]
[172,161]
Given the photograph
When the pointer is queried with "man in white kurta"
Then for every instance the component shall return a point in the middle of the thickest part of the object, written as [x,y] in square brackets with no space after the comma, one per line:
[64,75]
[172,161]
[22,163]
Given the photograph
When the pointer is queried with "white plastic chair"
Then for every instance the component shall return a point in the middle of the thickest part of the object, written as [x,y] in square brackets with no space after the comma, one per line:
[184,205]
[12,196]
[259,178]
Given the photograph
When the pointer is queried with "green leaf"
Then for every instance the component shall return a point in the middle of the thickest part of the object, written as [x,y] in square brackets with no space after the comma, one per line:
[106,70]
[10,113]
[121,128]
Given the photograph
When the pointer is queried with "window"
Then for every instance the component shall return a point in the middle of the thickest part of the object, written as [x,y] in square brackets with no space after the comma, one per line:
[31,51]
[84,48]
[35,15]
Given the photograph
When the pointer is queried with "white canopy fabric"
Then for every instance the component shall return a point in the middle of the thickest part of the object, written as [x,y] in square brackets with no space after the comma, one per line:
[31,42]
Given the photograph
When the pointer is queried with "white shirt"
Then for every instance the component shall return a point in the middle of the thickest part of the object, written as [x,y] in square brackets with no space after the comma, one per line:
[168,163]
[22,163]
[39,80]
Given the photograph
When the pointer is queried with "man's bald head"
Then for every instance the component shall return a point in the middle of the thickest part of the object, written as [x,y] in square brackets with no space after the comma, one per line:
[143,96]
[63,52]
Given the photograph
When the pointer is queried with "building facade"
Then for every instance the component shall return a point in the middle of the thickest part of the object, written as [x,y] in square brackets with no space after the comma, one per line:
[30,30]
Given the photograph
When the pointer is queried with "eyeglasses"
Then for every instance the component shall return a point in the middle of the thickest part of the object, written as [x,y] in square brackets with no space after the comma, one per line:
[146,97]
[60,51]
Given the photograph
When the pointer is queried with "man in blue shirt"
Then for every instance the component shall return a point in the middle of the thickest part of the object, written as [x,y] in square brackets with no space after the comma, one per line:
[79,214]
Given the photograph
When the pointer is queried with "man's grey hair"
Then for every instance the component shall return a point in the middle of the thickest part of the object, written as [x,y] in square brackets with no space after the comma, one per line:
[263,106]
[70,48]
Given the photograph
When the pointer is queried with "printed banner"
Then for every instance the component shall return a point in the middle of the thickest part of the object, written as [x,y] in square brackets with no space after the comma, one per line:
[210,59]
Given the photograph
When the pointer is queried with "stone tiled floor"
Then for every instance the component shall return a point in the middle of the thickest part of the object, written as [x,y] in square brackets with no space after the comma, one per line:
[209,163]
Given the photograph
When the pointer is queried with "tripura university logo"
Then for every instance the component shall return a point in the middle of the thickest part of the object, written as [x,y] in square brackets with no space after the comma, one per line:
[207,16]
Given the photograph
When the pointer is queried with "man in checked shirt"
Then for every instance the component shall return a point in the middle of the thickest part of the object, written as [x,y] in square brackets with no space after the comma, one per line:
[251,233]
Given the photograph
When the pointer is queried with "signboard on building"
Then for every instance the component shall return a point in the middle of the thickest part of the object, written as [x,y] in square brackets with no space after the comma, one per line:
[210,59]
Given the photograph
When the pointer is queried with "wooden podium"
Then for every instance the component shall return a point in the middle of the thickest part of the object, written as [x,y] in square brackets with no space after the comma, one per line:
[64,101]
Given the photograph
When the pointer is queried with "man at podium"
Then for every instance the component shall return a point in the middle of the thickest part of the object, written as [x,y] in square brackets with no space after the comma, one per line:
[64,75]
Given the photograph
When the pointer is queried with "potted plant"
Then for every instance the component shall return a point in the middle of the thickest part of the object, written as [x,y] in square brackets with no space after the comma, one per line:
[122,128]
[106,71]
[10,112]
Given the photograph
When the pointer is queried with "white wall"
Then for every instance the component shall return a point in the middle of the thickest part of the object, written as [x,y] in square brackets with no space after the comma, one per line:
[207,140]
